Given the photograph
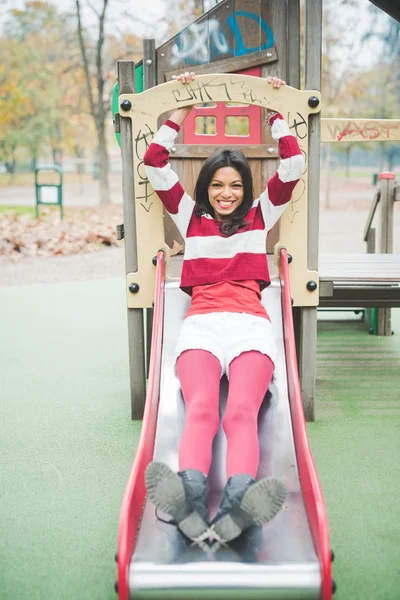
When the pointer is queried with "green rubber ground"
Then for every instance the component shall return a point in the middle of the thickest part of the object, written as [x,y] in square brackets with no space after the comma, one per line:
[356,445]
[67,444]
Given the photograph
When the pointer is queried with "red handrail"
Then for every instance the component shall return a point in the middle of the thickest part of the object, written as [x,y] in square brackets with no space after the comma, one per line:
[135,492]
[311,488]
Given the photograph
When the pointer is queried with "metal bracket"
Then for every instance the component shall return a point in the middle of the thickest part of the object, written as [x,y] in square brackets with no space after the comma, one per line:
[120,231]
[117,123]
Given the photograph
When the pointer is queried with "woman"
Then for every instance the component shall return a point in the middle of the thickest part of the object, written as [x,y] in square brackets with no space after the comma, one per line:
[226,330]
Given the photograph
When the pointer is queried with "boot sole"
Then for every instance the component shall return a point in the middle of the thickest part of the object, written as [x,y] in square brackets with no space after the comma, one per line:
[166,491]
[260,504]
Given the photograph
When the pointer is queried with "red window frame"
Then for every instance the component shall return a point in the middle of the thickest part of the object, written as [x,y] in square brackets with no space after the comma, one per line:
[220,111]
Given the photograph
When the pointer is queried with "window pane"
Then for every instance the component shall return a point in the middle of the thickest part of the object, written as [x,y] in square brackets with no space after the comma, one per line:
[237,126]
[205,125]
[236,104]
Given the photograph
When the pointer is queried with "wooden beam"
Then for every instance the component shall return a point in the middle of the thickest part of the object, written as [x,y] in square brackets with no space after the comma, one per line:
[360,130]
[126,85]
[204,151]
[232,64]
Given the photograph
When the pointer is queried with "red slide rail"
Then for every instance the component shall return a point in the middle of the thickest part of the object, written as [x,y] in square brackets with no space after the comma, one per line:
[311,488]
[135,492]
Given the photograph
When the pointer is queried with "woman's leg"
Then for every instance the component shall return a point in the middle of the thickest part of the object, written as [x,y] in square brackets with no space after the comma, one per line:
[250,374]
[246,502]
[199,373]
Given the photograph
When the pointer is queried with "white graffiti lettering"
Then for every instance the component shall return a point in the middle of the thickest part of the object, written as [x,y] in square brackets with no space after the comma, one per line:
[192,43]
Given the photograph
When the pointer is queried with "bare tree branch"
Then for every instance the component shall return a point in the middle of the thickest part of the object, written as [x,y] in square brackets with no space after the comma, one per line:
[92,7]
[85,63]
[99,59]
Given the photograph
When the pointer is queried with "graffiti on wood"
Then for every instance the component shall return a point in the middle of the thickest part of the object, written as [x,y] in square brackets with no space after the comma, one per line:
[206,41]
[141,143]
[374,130]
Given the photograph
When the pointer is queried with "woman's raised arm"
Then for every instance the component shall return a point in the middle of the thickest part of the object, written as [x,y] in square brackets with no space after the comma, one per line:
[164,180]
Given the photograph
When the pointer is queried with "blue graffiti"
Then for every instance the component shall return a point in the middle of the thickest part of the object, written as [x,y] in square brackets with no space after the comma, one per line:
[240,48]
[204,41]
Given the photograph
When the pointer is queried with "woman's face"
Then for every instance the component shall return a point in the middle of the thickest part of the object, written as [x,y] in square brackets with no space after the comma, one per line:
[225,192]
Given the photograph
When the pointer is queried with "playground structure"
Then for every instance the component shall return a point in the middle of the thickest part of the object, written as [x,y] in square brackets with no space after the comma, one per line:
[267,40]
[149,555]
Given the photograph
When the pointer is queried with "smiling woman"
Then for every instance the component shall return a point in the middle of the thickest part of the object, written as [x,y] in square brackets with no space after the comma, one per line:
[226,330]
[225,192]
[224,189]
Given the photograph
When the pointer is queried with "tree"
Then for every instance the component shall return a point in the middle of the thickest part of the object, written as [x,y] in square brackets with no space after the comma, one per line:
[92,58]
[387,77]
[39,68]
[337,68]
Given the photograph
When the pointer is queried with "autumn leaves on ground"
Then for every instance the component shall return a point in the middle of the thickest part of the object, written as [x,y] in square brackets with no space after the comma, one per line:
[81,230]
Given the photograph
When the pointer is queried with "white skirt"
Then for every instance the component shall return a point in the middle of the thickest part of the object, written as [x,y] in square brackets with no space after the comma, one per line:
[226,335]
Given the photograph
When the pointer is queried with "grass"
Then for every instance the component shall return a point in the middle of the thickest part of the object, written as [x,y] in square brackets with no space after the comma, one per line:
[43,210]
[29,211]
[28,179]
[356,173]
[17,210]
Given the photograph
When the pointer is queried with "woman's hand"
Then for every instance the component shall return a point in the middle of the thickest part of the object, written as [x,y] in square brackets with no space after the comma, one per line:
[186,77]
[276,82]
[180,114]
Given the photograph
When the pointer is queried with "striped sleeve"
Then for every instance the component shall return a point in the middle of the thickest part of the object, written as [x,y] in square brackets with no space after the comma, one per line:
[279,190]
[164,180]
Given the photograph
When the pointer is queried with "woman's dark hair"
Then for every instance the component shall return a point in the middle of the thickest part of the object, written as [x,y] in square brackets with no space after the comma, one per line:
[225,158]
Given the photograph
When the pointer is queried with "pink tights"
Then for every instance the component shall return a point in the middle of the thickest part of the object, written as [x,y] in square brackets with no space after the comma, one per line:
[199,373]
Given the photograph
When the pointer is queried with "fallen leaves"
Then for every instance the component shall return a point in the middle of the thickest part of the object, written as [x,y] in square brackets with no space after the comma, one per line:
[81,231]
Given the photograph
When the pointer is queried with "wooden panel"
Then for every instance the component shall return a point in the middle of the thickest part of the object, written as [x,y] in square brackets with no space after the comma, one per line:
[308,352]
[205,150]
[192,170]
[256,171]
[233,65]
[168,59]
[221,44]
[277,24]
[360,267]
[360,130]
[274,13]
[247,26]
[293,45]
[194,43]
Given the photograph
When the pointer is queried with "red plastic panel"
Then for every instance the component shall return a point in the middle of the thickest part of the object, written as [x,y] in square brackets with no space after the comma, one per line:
[387,175]
[310,486]
[135,493]
[221,111]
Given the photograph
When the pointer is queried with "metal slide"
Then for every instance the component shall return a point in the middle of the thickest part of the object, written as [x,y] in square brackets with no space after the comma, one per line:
[290,557]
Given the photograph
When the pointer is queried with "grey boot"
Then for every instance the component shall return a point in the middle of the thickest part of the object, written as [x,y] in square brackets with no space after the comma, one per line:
[182,495]
[245,503]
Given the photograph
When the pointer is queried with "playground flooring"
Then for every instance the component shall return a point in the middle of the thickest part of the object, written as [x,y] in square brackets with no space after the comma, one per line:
[67,443]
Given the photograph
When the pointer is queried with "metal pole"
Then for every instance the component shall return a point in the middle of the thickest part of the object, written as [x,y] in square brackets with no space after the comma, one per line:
[308,326]
[126,85]
[149,81]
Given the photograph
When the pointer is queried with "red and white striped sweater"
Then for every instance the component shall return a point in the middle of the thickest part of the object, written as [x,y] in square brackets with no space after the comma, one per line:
[209,256]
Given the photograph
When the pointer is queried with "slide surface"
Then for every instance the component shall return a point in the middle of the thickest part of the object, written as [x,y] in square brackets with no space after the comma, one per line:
[289,557]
